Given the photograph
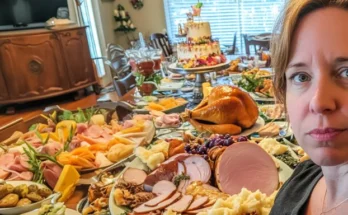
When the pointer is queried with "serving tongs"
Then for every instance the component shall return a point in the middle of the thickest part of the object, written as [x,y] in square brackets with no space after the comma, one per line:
[117,166]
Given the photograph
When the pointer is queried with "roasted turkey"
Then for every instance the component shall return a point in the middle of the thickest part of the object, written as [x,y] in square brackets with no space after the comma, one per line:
[227,110]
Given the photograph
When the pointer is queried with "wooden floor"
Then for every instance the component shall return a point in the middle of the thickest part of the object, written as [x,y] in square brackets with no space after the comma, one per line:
[32,109]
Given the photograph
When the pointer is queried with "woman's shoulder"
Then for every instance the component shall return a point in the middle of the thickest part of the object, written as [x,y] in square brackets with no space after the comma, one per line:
[294,194]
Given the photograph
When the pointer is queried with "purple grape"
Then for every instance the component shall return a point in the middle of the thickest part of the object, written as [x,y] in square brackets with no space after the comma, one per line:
[187,148]
[205,157]
[202,150]
[227,142]
[219,142]
[227,136]
[207,143]
[193,151]
[242,139]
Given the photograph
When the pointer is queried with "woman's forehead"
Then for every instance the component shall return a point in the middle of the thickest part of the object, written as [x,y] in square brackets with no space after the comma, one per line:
[323,33]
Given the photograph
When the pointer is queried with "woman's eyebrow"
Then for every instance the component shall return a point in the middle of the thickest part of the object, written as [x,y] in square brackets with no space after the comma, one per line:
[341,60]
[296,65]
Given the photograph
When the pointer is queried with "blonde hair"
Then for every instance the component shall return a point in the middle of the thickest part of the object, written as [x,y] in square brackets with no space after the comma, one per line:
[293,13]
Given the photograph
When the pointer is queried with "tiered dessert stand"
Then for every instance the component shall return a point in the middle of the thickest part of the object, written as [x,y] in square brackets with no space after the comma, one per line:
[200,79]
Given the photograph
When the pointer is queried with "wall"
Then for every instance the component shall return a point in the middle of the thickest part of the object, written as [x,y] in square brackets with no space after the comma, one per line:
[150,19]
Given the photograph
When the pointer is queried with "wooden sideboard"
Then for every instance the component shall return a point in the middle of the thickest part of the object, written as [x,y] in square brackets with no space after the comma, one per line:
[37,64]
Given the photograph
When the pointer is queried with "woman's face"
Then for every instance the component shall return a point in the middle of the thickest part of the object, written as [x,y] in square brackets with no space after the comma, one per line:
[317,86]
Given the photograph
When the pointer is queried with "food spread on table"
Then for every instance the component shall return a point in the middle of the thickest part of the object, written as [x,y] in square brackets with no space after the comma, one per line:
[257,81]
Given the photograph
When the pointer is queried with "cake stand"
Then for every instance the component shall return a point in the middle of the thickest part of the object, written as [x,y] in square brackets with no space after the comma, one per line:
[200,79]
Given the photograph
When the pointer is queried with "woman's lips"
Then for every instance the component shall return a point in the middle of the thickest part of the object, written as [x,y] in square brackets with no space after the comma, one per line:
[326,134]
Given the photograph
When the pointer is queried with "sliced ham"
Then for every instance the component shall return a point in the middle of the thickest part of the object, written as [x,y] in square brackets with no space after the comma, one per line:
[163,172]
[94,131]
[159,199]
[4,174]
[181,168]
[134,176]
[23,176]
[146,209]
[200,210]
[197,168]
[163,187]
[246,165]
[198,202]
[51,172]
[183,185]
[179,157]
[51,148]
[7,159]
[81,127]
[181,205]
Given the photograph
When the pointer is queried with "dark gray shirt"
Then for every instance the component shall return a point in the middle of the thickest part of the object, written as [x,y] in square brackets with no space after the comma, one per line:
[293,197]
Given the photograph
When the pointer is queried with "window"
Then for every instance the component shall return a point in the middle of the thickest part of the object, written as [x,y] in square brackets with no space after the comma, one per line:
[226,17]
[88,19]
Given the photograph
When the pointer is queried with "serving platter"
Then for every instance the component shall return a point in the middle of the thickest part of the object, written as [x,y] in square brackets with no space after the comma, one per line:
[173,67]
[27,208]
[68,211]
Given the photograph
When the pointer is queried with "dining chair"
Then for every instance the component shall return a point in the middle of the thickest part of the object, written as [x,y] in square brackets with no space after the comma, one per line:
[117,61]
[232,51]
[160,41]
[122,86]
[258,41]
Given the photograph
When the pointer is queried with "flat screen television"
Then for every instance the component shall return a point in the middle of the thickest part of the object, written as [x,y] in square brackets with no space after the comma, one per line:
[27,14]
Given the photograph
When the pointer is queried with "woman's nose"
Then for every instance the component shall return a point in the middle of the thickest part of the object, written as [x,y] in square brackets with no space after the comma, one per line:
[324,99]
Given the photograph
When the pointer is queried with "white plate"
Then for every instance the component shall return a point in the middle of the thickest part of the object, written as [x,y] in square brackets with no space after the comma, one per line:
[187,89]
[284,171]
[68,211]
[268,107]
[259,123]
[27,208]
[174,67]
[170,86]
[261,99]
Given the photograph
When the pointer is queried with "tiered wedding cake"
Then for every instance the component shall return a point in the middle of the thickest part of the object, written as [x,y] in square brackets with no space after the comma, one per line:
[199,49]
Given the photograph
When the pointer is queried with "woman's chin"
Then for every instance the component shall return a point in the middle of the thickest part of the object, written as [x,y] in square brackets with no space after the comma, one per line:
[327,156]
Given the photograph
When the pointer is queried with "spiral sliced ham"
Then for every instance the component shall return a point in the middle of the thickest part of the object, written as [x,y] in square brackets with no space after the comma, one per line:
[246,165]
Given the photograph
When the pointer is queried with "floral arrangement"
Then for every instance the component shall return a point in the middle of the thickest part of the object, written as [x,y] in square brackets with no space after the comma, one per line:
[124,20]
[137,4]
[210,60]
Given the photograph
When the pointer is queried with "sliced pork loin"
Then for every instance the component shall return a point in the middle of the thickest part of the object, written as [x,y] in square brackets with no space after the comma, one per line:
[163,187]
[246,165]
[159,199]
[198,202]
[146,209]
[181,205]
[197,168]
[134,175]
[163,172]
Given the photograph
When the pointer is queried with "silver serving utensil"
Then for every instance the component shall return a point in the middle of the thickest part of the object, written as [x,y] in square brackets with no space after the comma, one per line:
[96,178]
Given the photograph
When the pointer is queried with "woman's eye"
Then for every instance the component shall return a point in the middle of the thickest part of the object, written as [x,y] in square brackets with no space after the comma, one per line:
[300,78]
[344,73]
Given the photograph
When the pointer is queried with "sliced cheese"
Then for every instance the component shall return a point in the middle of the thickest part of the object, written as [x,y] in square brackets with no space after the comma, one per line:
[272,146]
[67,182]
[206,89]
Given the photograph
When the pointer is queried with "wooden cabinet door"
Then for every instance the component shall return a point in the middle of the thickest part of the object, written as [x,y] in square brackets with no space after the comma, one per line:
[32,65]
[77,57]
[3,87]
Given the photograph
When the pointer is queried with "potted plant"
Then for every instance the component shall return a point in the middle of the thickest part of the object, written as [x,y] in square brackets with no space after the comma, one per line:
[147,84]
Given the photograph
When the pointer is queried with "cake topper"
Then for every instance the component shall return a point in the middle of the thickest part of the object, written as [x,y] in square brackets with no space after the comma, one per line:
[196,11]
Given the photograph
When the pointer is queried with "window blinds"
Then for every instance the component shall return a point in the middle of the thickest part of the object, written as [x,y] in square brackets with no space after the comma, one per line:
[226,17]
